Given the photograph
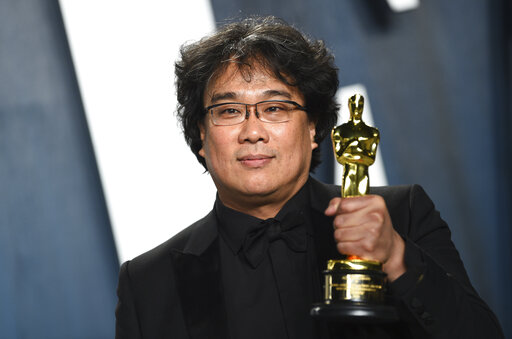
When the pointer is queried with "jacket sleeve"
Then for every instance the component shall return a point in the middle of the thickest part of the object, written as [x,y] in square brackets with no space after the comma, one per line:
[127,323]
[435,297]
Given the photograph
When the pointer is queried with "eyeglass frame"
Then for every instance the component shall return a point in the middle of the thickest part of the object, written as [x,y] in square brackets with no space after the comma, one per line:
[247,113]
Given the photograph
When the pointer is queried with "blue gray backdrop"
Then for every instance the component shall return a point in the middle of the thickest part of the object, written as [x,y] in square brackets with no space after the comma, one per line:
[58,263]
[438,78]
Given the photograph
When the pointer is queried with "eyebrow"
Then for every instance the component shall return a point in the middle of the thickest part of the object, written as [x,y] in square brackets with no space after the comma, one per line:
[222,96]
[275,93]
[267,94]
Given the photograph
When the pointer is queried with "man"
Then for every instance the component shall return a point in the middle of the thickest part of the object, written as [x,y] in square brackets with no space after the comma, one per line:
[256,98]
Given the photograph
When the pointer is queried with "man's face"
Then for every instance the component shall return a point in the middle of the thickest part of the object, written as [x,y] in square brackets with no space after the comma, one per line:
[256,163]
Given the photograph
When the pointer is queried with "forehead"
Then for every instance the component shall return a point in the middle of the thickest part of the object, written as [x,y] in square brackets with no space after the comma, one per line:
[247,81]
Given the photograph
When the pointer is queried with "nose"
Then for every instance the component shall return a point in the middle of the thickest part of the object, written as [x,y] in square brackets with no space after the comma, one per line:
[253,129]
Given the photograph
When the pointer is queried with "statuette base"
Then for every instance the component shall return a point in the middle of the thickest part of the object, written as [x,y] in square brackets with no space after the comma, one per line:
[355,313]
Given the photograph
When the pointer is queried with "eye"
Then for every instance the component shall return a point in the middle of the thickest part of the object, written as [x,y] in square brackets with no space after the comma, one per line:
[228,111]
[275,108]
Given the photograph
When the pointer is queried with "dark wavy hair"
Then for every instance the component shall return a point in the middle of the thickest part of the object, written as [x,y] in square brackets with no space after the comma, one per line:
[287,53]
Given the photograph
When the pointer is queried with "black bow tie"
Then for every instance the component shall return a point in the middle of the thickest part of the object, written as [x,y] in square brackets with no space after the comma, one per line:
[291,230]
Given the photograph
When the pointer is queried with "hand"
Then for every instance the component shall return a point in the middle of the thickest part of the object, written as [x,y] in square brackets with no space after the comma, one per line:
[362,227]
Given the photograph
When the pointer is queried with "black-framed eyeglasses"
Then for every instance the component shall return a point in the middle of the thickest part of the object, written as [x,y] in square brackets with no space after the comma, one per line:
[271,111]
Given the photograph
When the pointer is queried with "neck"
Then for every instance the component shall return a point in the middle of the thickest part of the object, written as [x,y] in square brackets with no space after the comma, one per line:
[258,207]
[356,119]
[262,212]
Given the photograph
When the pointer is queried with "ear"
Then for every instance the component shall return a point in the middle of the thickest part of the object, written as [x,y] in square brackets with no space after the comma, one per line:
[312,134]
[202,133]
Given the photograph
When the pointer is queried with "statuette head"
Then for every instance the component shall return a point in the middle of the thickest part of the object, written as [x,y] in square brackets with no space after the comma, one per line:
[356,106]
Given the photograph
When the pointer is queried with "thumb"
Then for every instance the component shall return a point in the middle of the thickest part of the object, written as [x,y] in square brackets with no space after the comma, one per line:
[332,209]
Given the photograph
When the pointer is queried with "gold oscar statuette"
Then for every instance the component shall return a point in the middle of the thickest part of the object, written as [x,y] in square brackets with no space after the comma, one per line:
[354,288]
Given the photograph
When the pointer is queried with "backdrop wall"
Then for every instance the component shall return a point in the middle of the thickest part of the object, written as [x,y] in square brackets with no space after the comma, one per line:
[58,263]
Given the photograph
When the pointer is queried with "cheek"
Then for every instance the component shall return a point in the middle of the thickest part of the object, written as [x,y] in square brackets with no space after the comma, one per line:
[296,144]
[217,148]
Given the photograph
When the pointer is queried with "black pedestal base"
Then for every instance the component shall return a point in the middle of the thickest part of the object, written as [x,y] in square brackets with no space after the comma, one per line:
[354,312]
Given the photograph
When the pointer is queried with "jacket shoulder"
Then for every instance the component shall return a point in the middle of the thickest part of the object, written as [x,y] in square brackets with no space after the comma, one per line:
[395,195]
[161,254]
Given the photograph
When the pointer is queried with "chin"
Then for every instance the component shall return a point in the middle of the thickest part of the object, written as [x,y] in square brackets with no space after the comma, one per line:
[262,189]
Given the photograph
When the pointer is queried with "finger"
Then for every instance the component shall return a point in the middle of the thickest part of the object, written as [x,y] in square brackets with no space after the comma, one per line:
[349,234]
[369,233]
[344,205]
[365,247]
[351,249]
[354,250]
[358,218]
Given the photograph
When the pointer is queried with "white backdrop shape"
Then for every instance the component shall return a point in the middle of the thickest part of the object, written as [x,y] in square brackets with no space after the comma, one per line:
[124,53]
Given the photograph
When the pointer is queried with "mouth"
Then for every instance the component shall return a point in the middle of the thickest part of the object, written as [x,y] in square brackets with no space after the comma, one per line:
[255,160]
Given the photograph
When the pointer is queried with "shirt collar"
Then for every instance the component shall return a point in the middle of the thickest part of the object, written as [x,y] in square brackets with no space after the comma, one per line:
[235,225]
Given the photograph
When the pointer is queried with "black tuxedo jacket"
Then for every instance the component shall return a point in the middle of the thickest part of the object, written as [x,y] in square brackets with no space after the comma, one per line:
[175,290]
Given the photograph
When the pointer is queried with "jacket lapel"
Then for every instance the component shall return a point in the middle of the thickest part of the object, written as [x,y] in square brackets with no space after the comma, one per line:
[199,282]
[325,245]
